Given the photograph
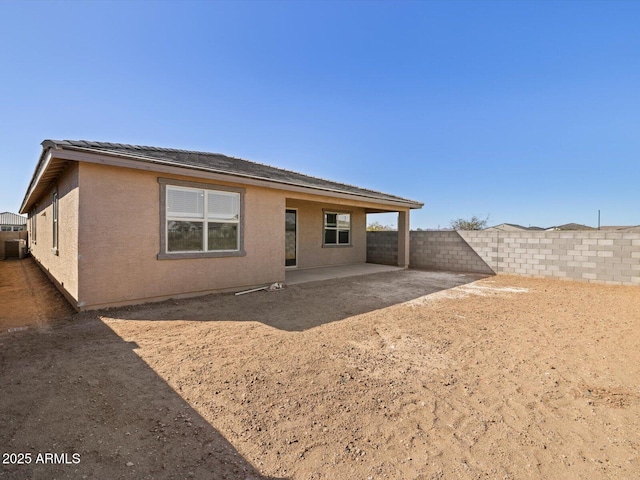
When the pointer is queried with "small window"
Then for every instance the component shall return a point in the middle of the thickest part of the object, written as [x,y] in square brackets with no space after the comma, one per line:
[55,222]
[337,228]
[200,221]
[33,233]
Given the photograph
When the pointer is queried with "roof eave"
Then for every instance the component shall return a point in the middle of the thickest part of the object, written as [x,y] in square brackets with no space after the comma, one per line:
[41,166]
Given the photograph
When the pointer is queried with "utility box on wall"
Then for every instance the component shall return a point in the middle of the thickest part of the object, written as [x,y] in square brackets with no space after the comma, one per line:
[15,248]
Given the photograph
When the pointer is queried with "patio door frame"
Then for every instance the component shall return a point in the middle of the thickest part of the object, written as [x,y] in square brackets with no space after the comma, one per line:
[294,210]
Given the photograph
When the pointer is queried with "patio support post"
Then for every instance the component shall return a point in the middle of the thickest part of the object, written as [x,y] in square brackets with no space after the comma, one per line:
[403,239]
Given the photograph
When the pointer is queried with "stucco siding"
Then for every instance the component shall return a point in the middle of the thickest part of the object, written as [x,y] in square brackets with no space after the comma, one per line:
[311,252]
[120,222]
[61,266]
[110,239]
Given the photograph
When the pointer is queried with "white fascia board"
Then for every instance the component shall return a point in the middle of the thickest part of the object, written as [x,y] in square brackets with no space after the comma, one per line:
[162,166]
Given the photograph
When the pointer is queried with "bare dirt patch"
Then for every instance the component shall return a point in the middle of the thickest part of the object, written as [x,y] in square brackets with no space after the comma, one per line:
[28,298]
[368,377]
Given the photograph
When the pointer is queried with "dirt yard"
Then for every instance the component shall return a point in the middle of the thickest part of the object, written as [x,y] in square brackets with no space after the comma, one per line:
[401,375]
[27,297]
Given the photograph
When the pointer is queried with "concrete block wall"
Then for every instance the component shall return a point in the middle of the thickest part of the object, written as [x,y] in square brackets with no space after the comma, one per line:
[445,251]
[382,248]
[593,256]
[604,257]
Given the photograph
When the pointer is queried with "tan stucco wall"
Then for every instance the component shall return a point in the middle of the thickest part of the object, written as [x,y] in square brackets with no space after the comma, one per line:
[120,224]
[311,252]
[109,238]
[63,267]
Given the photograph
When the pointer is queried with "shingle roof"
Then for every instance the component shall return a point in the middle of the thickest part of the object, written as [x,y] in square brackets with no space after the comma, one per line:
[620,228]
[571,226]
[502,225]
[219,163]
[8,218]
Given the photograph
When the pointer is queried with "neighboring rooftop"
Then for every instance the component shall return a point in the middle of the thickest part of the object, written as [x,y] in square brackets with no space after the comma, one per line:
[209,162]
[571,226]
[512,227]
[635,228]
[507,227]
[621,228]
[13,219]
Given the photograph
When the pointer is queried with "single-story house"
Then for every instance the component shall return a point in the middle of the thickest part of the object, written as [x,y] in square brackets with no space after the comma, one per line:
[12,222]
[116,224]
[569,227]
[13,233]
[507,227]
[619,228]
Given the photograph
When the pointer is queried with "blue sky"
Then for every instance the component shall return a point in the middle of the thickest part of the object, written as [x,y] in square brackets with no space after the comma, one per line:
[525,111]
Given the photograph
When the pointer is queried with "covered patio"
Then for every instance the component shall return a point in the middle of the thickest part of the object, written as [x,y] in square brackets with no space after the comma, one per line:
[293,277]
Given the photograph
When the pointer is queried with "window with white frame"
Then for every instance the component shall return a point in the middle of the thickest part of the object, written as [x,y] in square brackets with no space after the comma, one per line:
[33,233]
[55,222]
[201,220]
[337,228]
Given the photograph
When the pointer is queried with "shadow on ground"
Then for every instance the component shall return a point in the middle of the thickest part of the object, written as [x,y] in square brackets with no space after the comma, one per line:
[72,386]
[304,306]
[78,388]
[28,296]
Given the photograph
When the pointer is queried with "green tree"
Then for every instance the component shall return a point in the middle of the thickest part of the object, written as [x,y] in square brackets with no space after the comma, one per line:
[378,227]
[473,223]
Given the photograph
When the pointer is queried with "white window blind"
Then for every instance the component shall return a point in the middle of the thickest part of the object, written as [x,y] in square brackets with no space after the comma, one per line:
[223,206]
[185,203]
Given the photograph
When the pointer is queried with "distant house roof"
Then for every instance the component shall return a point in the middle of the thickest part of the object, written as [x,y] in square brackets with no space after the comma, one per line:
[571,226]
[612,228]
[512,227]
[620,228]
[8,218]
[509,227]
[199,161]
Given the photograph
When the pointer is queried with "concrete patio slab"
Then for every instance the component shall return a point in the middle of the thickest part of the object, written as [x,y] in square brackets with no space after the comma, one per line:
[294,277]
